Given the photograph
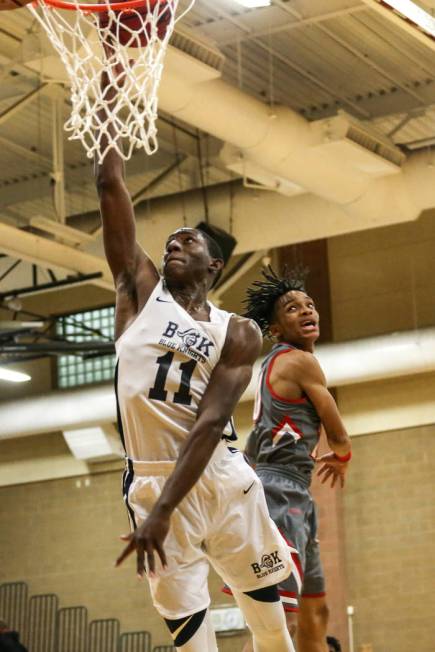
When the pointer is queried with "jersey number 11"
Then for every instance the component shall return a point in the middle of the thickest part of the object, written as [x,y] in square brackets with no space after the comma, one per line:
[182,396]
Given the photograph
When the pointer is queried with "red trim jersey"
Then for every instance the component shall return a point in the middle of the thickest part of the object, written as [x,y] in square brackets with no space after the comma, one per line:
[286,432]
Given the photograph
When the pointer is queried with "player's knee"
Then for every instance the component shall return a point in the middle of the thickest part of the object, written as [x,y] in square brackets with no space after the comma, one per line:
[184,629]
[314,619]
[321,614]
[263,609]
[266,594]
[267,620]
[265,616]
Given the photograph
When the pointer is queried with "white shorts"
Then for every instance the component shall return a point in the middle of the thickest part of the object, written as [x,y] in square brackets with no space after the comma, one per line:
[223,520]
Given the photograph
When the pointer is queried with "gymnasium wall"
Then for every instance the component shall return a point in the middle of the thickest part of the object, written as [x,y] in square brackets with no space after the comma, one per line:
[382,281]
[389,515]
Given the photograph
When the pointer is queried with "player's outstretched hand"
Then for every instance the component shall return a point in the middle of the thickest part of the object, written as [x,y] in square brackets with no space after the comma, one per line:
[332,468]
[146,539]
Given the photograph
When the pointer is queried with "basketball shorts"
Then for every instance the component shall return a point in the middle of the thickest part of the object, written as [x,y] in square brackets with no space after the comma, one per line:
[223,520]
[293,510]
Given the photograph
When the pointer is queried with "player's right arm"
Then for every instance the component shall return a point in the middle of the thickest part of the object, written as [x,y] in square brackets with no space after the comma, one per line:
[134,274]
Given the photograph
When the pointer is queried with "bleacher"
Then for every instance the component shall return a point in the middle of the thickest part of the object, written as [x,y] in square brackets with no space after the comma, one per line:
[45,627]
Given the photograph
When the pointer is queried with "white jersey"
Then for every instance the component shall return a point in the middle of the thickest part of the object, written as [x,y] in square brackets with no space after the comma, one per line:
[164,363]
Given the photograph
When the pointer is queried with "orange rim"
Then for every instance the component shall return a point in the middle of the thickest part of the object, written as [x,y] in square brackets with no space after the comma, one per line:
[94,7]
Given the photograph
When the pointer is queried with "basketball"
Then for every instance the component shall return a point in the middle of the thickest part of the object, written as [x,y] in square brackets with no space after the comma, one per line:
[133,27]
[7,5]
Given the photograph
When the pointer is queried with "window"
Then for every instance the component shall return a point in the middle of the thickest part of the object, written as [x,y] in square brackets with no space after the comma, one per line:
[81,369]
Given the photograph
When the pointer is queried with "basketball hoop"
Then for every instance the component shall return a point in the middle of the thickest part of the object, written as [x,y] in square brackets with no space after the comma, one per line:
[127,40]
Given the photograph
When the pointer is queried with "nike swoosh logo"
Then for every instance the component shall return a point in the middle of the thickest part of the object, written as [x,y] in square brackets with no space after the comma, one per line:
[245,491]
[163,300]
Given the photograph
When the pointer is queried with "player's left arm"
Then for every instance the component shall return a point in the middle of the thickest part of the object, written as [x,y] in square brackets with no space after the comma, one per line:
[313,382]
[228,381]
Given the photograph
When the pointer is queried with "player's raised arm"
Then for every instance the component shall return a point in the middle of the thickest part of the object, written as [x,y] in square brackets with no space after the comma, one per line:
[228,381]
[134,274]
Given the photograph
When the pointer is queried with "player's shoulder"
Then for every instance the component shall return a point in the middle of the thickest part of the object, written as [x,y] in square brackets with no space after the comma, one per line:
[298,359]
[244,326]
[243,335]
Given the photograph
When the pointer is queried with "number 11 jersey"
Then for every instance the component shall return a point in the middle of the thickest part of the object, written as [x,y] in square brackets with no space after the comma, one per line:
[164,362]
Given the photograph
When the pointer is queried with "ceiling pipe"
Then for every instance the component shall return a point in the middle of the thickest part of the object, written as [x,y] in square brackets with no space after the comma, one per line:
[316,156]
[346,363]
[279,140]
[287,145]
[341,195]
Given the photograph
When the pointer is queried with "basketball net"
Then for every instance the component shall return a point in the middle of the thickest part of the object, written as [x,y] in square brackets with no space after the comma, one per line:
[133,69]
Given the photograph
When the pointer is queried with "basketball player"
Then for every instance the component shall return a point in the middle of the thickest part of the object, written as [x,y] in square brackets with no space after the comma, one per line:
[291,404]
[182,366]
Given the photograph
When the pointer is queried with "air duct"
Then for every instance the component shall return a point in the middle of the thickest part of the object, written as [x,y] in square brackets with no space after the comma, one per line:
[338,159]
[345,363]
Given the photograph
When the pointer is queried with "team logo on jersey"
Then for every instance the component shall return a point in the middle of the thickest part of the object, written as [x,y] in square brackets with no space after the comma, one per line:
[189,341]
[270,563]
[189,337]
[286,428]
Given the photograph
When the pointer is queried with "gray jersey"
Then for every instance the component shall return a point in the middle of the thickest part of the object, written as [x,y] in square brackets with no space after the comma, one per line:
[286,431]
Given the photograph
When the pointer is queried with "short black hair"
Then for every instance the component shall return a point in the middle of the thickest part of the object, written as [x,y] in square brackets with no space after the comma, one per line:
[334,642]
[215,251]
[214,248]
[262,296]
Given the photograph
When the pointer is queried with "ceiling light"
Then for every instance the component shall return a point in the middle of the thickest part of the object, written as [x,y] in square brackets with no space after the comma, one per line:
[13,376]
[95,443]
[414,13]
[252,4]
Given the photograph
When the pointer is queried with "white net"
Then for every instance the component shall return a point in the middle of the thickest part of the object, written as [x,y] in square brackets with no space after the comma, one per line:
[128,45]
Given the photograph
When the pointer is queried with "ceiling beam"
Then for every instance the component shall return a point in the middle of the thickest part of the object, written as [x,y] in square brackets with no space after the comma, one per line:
[161,177]
[332,92]
[243,269]
[8,113]
[24,152]
[294,24]
[26,190]
[38,288]
[62,232]
[47,253]
[41,187]
[361,55]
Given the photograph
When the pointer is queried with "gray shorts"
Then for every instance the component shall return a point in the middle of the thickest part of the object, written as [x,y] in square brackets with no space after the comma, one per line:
[294,512]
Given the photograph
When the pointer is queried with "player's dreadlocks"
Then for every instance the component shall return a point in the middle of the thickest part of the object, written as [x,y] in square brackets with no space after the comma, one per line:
[262,295]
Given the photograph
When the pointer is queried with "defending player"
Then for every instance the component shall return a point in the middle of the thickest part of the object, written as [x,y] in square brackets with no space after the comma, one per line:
[291,404]
[182,365]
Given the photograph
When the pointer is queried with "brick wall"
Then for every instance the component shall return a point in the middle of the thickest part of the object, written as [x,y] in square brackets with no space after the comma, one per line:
[332,548]
[390,540]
